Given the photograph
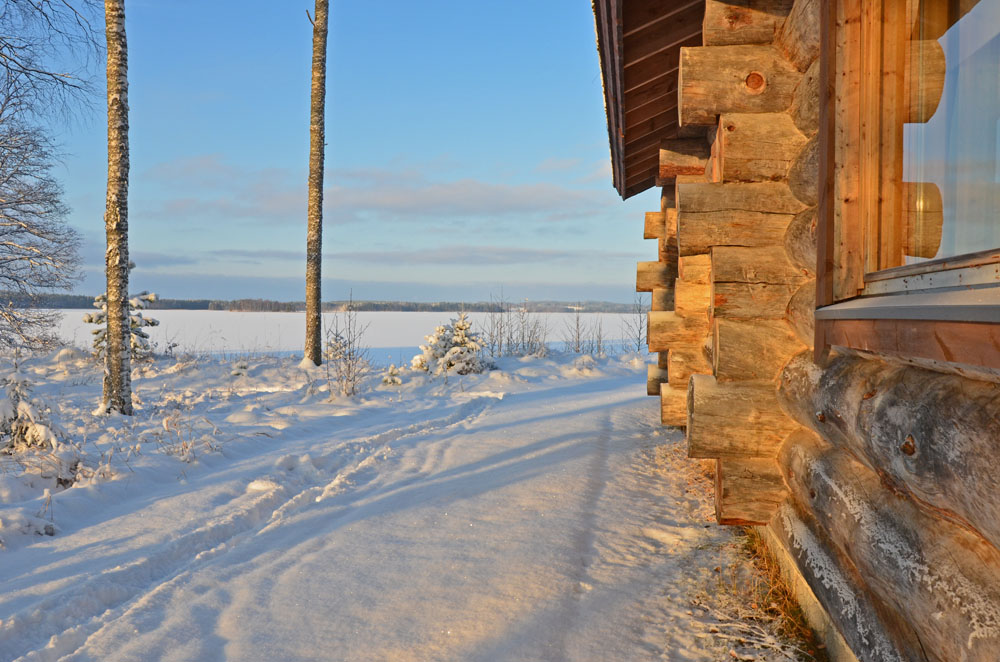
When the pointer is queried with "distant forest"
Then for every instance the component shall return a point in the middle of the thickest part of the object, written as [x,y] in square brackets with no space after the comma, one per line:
[268,306]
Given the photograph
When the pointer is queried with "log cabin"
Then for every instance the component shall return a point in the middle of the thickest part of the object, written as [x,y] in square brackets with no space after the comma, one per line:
[826,303]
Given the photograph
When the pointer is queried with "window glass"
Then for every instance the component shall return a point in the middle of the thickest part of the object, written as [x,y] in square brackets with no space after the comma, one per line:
[950,189]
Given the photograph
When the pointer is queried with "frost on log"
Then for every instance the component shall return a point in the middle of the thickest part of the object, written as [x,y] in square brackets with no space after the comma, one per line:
[117,363]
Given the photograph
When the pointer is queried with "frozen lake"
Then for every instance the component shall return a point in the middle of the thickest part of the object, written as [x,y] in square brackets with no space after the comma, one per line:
[391,336]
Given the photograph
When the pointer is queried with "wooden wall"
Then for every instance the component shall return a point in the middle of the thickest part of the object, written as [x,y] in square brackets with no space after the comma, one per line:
[879,481]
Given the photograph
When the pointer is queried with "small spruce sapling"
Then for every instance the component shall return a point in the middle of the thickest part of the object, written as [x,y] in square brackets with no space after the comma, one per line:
[140,346]
[453,347]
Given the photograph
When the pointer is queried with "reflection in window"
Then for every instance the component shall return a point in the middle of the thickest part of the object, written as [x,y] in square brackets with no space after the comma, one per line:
[951,136]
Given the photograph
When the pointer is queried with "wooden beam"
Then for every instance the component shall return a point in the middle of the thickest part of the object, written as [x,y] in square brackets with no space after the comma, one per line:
[655,226]
[752,350]
[733,79]
[747,491]
[799,38]
[734,420]
[766,264]
[683,156]
[969,343]
[756,147]
[746,22]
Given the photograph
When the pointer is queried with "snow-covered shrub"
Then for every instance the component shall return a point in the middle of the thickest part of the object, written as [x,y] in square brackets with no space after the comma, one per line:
[139,339]
[28,432]
[345,356]
[453,347]
[391,376]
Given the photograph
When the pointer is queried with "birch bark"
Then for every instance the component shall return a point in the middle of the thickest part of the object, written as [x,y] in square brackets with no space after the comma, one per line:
[117,366]
[317,138]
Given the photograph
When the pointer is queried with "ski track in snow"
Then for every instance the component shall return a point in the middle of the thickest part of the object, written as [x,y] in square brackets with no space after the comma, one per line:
[537,519]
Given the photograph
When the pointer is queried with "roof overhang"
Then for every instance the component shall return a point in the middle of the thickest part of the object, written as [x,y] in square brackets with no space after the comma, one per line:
[639,44]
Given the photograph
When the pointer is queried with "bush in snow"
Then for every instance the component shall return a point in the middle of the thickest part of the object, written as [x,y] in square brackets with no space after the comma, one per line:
[391,376]
[141,349]
[452,347]
[27,429]
[345,356]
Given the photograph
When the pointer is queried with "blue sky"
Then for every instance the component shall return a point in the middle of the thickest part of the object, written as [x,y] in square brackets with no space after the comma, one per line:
[466,152]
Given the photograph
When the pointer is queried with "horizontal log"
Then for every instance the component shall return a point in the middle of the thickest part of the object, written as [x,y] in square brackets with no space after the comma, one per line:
[667,328]
[750,301]
[654,275]
[800,241]
[747,491]
[667,197]
[938,577]
[754,350]
[662,299]
[698,232]
[673,406]
[734,420]
[655,226]
[804,110]
[798,38]
[695,268]
[729,22]
[763,197]
[767,264]
[683,156]
[692,299]
[655,375]
[682,362]
[756,147]
[733,79]
[871,632]
[801,313]
[803,175]
[930,435]
[663,360]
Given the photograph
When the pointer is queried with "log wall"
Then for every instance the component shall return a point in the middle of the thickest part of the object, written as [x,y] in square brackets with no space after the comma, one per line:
[876,482]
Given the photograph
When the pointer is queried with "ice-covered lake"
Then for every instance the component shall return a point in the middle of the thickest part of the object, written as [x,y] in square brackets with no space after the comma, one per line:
[391,336]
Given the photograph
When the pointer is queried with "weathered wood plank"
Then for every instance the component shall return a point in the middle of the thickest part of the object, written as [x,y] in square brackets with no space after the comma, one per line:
[683,156]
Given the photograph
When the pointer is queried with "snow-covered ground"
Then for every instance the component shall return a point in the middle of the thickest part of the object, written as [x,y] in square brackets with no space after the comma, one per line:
[534,512]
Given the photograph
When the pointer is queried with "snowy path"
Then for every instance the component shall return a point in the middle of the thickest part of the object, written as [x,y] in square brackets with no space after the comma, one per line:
[549,521]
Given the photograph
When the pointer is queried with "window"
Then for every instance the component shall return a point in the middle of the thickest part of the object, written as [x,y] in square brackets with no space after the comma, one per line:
[910,216]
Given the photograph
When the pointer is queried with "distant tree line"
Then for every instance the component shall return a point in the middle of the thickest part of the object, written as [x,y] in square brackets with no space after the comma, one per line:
[79,301]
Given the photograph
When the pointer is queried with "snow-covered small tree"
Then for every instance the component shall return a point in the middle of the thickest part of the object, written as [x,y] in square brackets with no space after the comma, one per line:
[140,347]
[28,431]
[453,347]
[391,376]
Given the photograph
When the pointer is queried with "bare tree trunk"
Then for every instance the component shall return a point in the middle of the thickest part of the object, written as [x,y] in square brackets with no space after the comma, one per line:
[117,362]
[314,238]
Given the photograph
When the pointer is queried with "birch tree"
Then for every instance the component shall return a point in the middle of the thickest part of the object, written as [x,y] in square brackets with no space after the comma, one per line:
[314,237]
[38,251]
[117,361]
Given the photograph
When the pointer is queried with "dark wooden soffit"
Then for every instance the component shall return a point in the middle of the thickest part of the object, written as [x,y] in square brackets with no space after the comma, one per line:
[639,44]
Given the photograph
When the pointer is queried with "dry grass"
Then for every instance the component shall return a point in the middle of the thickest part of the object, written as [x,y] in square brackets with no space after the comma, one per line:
[769,594]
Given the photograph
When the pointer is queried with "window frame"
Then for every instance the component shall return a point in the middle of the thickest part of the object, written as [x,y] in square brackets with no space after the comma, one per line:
[858,306]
